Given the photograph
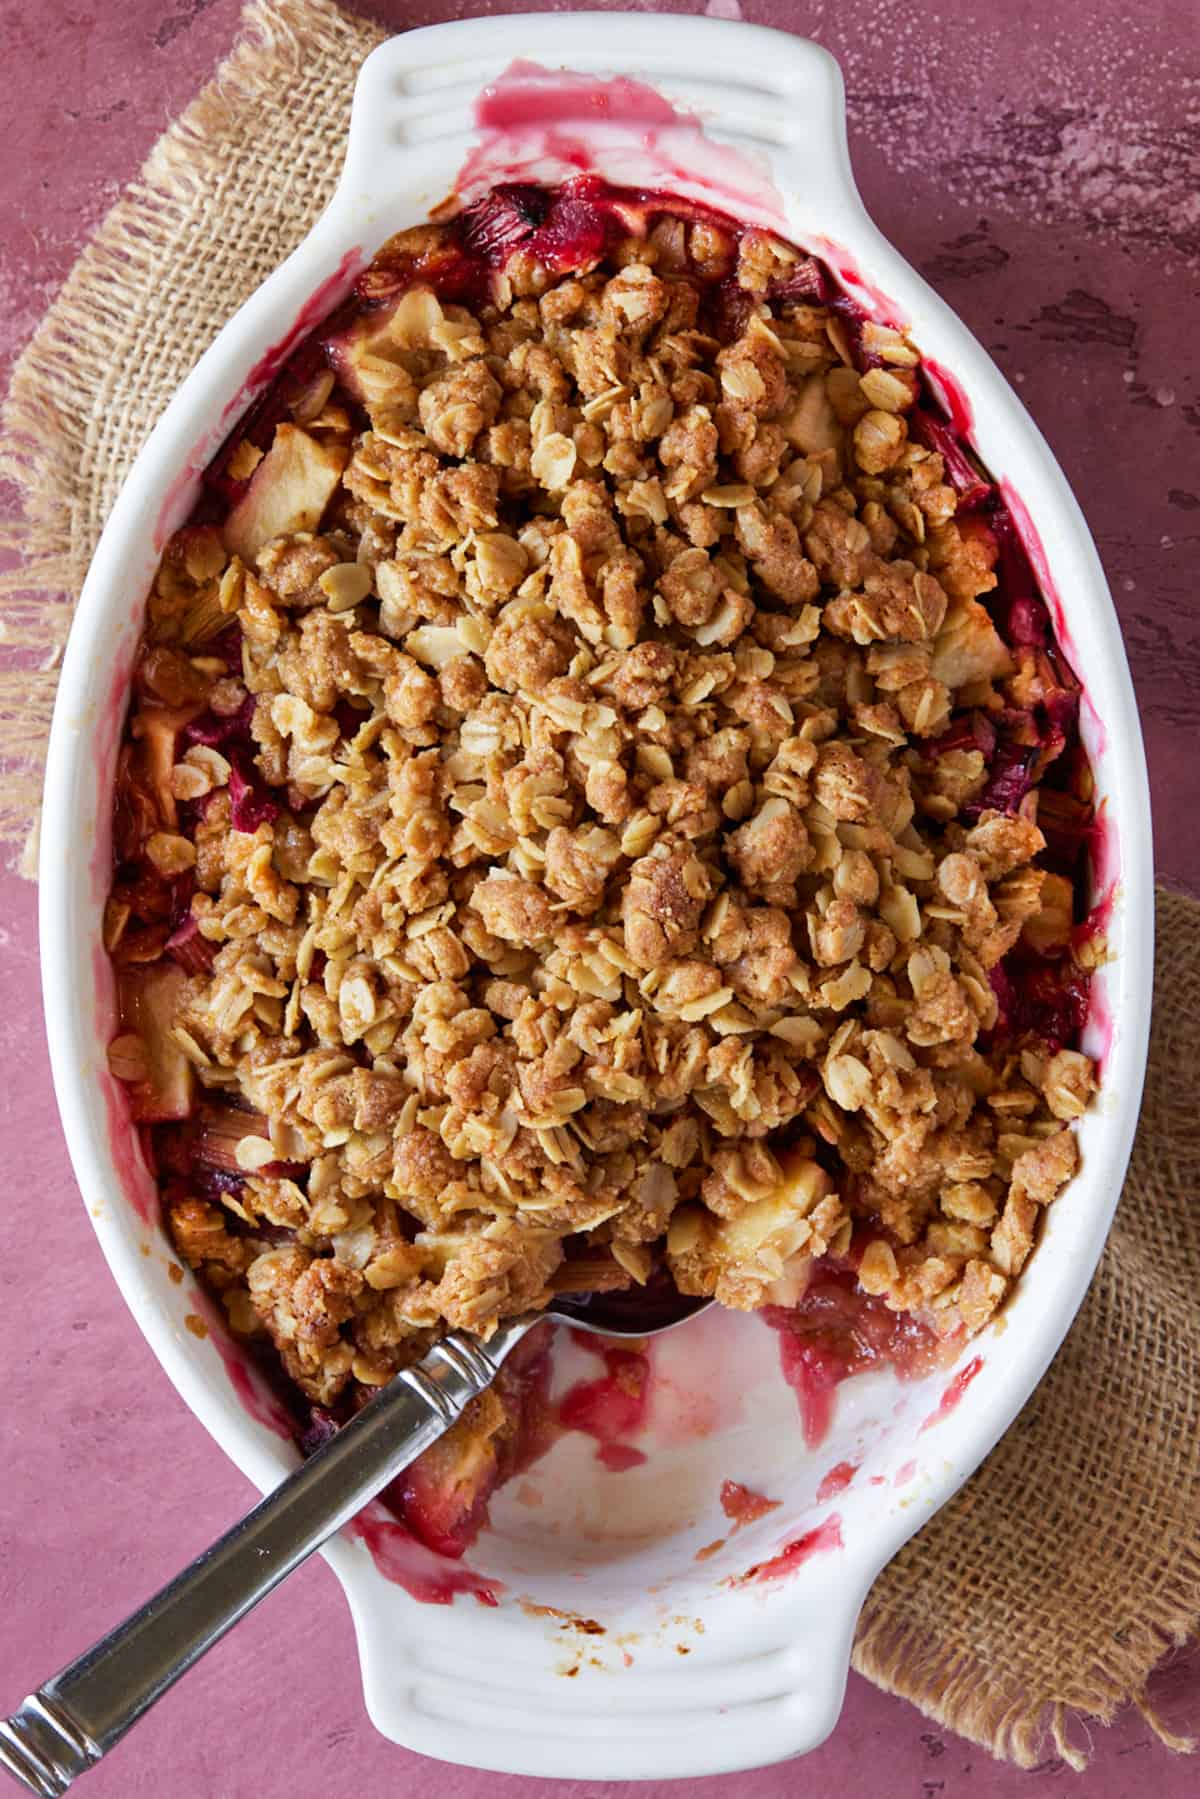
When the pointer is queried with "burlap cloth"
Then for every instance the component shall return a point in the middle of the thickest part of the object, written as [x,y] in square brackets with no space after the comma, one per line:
[1061,1573]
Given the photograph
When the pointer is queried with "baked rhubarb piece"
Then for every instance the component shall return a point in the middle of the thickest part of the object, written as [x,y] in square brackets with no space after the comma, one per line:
[602,801]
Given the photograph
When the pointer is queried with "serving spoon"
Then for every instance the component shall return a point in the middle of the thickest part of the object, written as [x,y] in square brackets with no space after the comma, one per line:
[64,1728]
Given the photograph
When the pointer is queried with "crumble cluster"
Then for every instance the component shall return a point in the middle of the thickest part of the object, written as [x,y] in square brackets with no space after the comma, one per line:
[592,885]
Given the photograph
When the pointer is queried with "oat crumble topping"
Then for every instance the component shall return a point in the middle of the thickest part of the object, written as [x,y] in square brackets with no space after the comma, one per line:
[579,811]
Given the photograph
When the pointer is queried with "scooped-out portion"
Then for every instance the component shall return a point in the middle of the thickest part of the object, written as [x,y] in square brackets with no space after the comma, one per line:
[601,804]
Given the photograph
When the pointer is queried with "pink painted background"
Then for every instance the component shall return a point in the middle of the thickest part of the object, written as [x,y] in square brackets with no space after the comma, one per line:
[1038,164]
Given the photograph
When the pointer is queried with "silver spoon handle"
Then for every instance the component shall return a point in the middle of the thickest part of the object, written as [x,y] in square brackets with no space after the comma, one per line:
[69,1723]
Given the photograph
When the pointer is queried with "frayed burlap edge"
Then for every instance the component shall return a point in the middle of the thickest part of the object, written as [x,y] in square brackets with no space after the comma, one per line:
[50,430]
[945,1682]
[967,1622]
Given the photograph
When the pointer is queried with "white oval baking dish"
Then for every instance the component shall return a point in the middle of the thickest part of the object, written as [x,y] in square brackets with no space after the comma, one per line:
[765,1663]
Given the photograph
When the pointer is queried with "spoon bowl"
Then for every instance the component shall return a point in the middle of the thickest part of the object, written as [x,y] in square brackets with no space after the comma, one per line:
[635,1313]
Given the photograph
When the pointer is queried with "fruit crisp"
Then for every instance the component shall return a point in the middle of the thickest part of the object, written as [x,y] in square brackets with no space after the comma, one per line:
[601,794]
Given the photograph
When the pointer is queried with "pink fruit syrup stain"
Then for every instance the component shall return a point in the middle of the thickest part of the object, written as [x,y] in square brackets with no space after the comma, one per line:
[528,96]
[836,1481]
[125,1147]
[539,124]
[612,1408]
[252,1388]
[820,1540]
[836,1331]
[952,1398]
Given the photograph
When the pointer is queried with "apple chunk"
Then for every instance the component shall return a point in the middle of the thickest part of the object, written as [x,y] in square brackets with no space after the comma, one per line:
[366,355]
[149,1000]
[968,647]
[354,350]
[288,491]
[160,728]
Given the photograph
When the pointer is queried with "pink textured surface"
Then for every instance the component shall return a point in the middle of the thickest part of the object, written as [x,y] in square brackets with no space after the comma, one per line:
[1036,168]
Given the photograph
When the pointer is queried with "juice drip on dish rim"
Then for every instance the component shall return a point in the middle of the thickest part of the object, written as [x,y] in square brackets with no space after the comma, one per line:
[820,1540]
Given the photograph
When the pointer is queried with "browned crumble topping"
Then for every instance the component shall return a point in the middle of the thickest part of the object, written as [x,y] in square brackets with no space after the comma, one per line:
[615,901]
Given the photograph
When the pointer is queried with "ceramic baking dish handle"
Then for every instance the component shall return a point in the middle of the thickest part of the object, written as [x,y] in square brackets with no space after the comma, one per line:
[770,1672]
[740,103]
